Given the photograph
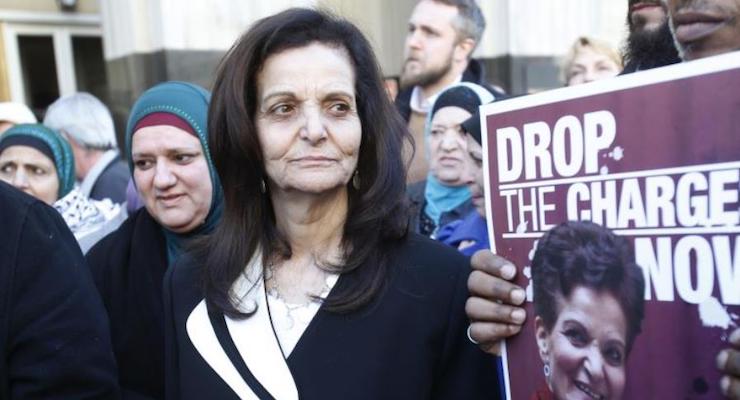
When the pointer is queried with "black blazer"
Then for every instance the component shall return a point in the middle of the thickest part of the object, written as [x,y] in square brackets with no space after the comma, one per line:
[409,343]
[54,340]
[128,267]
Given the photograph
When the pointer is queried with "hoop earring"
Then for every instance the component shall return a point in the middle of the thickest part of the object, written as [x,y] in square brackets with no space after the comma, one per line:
[356,180]
[546,370]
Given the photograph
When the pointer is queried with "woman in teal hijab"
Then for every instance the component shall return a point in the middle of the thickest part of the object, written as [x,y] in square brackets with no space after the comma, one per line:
[39,161]
[171,166]
[182,106]
[444,196]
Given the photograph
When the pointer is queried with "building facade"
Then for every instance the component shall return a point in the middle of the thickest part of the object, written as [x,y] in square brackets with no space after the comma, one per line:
[116,49]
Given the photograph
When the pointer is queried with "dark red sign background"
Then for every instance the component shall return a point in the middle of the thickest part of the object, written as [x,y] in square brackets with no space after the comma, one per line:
[689,121]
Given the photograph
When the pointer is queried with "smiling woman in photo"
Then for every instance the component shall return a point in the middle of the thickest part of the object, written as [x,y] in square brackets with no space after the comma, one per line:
[589,306]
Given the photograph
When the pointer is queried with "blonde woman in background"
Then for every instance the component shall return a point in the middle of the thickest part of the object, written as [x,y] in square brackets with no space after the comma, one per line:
[589,60]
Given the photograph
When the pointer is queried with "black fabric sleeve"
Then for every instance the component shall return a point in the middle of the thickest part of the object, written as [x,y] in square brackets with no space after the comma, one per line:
[58,341]
[466,372]
[171,363]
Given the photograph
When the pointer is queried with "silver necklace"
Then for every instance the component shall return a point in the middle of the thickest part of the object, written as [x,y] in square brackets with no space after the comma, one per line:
[291,308]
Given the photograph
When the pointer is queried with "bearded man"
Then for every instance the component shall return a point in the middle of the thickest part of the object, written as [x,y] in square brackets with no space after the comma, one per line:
[650,43]
[437,53]
[700,28]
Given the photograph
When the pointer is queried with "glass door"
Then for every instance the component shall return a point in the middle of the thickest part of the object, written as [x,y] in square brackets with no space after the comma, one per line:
[48,61]
[38,71]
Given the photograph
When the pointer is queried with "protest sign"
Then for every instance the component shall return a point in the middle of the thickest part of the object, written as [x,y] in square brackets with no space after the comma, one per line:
[654,156]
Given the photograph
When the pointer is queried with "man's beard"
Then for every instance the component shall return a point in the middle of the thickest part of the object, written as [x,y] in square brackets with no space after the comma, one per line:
[425,78]
[651,49]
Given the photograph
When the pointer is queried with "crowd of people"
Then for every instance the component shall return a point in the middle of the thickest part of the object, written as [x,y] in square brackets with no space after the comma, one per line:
[299,233]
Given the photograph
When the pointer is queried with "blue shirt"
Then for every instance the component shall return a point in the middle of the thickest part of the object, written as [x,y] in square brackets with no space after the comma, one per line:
[472,228]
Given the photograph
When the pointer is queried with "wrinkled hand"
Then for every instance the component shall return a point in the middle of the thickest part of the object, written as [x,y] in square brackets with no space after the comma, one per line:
[728,361]
[493,304]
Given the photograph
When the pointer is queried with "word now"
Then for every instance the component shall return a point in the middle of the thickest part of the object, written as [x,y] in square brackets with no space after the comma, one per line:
[669,266]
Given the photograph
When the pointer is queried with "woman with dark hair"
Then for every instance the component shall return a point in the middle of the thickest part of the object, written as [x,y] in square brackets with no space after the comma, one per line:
[169,161]
[311,286]
[589,305]
[444,196]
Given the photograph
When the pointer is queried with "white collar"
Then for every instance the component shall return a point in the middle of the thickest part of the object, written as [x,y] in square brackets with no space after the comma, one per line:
[95,172]
[423,106]
[253,337]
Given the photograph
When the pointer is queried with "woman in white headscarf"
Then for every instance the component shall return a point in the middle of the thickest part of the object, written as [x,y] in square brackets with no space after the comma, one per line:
[444,196]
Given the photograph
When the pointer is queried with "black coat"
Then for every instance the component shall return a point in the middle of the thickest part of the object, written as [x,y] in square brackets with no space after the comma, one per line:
[409,343]
[128,266]
[54,340]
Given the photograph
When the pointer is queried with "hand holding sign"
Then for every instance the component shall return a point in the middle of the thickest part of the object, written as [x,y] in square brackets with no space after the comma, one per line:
[493,306]
[728,362]
[654,158]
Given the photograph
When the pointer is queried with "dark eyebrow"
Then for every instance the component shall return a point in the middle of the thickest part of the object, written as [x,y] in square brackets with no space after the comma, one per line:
[574,322]
[619,343]
[283,93]
[184,150]
[429,29]
[32,166]
[339,93]
[457,125]
[170,152]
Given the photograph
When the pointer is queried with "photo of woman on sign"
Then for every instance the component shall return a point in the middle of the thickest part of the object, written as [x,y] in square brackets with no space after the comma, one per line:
[588,299]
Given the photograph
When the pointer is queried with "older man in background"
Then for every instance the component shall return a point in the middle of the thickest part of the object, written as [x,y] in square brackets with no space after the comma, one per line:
[439,45]
[701,28]
[12,113]
[87,125]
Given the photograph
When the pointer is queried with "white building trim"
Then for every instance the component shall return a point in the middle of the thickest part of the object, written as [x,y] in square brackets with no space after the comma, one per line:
[38,17]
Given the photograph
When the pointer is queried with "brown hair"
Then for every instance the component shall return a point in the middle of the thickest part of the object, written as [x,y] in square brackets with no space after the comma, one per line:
[375,220]
[469,22]
[583,254]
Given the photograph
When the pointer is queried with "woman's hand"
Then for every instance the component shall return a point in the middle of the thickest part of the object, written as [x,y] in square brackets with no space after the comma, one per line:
[493,306]
[728,361]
